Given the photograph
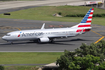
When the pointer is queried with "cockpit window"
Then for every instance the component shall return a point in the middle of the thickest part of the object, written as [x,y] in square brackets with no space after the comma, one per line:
[8,35]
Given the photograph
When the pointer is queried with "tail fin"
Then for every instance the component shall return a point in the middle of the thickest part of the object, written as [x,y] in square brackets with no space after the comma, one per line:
[86,21]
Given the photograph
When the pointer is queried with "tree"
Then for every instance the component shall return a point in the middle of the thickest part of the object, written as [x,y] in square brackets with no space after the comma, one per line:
[102,66]
[69,61]
[1,67]
[92,49]
[65,61]
[85,49]
[87,57]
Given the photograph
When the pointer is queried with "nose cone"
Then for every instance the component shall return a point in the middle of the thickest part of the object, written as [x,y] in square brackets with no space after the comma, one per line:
[4,38]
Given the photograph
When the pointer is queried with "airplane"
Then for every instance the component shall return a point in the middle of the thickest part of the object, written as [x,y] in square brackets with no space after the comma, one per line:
[48,35]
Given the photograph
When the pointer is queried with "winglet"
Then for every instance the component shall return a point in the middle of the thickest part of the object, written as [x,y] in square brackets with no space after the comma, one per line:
[43,26]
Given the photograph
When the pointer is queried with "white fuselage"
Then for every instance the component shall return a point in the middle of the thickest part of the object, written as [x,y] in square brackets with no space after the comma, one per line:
[40,33]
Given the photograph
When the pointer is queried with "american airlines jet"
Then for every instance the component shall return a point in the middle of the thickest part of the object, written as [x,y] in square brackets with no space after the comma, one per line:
[47,35]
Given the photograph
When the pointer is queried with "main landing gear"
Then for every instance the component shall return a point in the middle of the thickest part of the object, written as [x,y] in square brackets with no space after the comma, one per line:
[10,42]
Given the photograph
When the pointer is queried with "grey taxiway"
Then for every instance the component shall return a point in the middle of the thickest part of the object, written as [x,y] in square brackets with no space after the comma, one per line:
[8,25]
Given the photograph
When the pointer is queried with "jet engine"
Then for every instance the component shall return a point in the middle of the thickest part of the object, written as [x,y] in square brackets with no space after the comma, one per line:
[43,40]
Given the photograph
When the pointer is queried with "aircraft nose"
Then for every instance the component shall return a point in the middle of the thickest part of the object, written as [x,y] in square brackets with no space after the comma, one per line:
[3,38]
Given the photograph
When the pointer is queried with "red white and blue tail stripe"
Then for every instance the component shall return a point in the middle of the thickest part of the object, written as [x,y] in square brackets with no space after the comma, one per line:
[85,24]
[86,21]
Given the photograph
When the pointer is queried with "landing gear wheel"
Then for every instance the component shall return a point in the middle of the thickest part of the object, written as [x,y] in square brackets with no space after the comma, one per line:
[52,41]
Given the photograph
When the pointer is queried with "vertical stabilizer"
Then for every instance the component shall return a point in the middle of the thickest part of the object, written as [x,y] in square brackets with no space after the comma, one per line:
[86,21]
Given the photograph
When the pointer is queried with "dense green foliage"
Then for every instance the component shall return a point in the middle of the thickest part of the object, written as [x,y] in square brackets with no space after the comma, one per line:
[1,67]
[82,15]
[87,57]
[92,49]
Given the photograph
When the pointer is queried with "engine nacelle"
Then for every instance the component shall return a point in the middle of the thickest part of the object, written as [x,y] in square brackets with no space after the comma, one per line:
[44,40]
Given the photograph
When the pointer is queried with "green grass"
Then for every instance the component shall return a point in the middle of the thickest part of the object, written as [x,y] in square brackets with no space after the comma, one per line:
[46,12]
[28,57]
[20,68]
[99,21]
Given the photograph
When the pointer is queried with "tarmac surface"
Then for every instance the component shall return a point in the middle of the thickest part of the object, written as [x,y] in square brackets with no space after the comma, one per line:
[8,25]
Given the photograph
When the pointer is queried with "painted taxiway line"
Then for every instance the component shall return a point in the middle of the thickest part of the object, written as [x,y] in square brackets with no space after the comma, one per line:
[99,39]
[18,28]
[99,30]
[96,33]
[102,37]
[7,31]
